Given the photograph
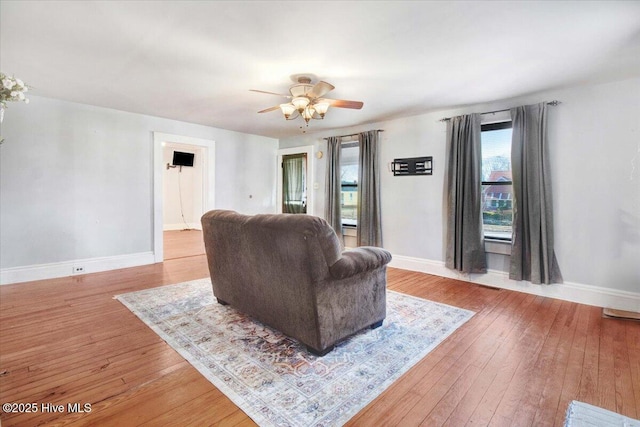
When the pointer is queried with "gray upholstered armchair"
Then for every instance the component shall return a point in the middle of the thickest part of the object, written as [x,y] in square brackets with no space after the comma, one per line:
[289,272]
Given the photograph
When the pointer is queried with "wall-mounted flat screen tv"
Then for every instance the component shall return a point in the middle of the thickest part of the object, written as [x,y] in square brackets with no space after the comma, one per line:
[182,159]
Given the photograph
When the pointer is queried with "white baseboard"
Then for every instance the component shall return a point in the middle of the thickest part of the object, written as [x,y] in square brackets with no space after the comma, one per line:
[182,226]
[568,291]
[68,268]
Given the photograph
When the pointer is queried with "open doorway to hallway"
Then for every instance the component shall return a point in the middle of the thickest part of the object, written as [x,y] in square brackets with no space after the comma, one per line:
[296,172]
[182,186]
[182,199]
[184,183]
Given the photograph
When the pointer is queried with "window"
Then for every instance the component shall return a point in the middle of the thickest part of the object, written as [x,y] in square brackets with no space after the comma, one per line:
[349,183]
[497,189]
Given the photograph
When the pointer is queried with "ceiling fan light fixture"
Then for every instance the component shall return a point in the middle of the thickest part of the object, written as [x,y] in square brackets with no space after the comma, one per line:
[321,108]
[302,87]
[287,110]
[308,112]
[300,102]
[307,101]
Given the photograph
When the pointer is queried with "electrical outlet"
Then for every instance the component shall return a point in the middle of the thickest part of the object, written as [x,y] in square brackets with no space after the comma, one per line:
[78,270]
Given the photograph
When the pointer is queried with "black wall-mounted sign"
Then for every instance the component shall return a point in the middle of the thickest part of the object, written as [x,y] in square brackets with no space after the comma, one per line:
[413,166]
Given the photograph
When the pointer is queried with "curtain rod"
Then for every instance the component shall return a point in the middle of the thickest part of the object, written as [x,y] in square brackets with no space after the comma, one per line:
[353,134]
[552,103]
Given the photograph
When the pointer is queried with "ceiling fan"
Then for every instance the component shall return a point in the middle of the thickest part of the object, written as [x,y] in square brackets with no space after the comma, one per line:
[306,100]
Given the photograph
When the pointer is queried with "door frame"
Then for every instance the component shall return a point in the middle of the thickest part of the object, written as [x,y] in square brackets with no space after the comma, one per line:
[308,150]
[208,181]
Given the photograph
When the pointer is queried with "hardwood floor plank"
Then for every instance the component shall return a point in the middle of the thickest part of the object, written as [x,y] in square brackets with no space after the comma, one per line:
[516,356]
[573,373]
[588,391]
[190,415]
[183,243]
[552,389]
[625,401]
[530,397]
[606,367]
[454,394]
[632,330]
[146,402]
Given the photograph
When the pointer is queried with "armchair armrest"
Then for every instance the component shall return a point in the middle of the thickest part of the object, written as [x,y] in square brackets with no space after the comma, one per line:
[358,260]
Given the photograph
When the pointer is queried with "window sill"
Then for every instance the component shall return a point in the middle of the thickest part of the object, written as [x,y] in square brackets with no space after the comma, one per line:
[494,246]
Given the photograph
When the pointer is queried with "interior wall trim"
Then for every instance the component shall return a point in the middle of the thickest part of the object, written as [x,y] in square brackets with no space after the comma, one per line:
[567,291]
[63,269]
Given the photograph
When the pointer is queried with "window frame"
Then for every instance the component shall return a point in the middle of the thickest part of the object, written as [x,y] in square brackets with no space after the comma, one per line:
[487,127]
[349,144]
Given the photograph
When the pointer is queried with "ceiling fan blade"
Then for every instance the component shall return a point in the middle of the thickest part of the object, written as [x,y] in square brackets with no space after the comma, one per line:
[269,93]
[342,103]
[320,89]
[266,110]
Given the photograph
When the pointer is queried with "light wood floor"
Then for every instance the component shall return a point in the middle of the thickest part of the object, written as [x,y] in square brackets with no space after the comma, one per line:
[182,243]
[519,361]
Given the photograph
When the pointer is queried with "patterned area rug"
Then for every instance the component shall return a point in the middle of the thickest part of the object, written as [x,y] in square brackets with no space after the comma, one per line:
[580,414]
[271,377]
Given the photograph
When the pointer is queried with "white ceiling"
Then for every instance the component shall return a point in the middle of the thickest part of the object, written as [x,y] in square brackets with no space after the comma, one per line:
[195,61]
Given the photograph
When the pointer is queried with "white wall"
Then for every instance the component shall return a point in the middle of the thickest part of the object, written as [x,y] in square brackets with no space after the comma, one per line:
[76,185]
[595,164]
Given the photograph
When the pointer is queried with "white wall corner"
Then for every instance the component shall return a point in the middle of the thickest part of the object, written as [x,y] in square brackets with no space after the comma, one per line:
[567,291]
[63,269]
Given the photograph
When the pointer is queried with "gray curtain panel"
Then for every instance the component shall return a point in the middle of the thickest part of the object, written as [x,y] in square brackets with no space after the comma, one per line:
[369,231]
[532,254]
[294,175]
[464,240]
[333,187]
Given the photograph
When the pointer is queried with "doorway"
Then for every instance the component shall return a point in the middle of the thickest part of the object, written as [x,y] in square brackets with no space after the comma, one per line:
[182,200]
[181,194]
[182,186]
[295,177]
[294,183]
